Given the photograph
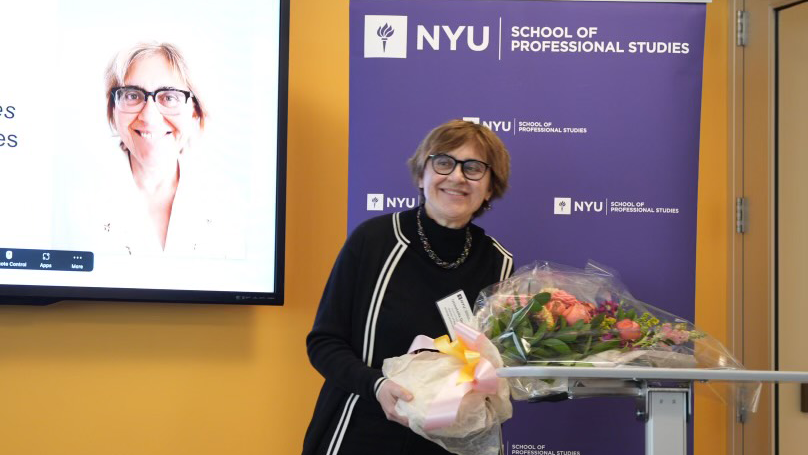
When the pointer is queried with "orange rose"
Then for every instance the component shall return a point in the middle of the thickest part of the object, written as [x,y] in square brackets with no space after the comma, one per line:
[629,330]
[561,301]
[577,312]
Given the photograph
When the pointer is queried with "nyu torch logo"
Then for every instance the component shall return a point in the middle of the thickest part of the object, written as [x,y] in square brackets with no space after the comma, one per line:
[562,206]
[385,36]
[375,201]
[384,33]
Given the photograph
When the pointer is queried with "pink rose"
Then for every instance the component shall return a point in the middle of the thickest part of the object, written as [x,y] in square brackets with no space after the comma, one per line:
[680,336]
[564,297]
[576,312]
[629,330]
[510,301]
[675,335]
[560,301]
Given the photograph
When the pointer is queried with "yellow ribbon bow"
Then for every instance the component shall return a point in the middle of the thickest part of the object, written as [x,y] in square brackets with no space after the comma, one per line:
[460,351]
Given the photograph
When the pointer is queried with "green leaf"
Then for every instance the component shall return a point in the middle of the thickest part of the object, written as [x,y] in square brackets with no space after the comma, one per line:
[588,345]
[631,315]
[513,353]
[506,339]
[510,359]
[533,341]
[504,320]
[541,330]
[521,323]
[567,336]
[538,301]
[541,353]
[557,345]
[519,316]
[563,324]
[605,346]
[506,315]
[597,320]
[526,330]
[578,324]
[496,328]
[568,360]
[620,314]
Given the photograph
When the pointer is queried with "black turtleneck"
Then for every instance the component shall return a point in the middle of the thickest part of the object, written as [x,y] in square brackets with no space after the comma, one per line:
[446,242]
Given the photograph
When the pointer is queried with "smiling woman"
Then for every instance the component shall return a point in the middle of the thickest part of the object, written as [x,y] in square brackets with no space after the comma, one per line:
[422,256]
[153,133]
[158,202]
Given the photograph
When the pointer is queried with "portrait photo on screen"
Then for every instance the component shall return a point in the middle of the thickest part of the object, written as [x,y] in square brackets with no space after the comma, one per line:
[147,136]
[159,193]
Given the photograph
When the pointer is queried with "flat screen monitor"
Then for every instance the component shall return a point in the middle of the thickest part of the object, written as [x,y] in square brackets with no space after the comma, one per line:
[143,151]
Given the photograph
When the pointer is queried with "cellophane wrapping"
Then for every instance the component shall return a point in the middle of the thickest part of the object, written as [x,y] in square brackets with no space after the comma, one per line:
[548,314]
[476,431]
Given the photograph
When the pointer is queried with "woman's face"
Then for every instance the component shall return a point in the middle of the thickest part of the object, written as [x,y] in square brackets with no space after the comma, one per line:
[153,138]
[452,199]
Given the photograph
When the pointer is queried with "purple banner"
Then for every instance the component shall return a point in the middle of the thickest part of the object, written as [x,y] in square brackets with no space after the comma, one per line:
[599,105]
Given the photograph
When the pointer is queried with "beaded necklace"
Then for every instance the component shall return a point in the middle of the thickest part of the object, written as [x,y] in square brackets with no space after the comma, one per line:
[428,248]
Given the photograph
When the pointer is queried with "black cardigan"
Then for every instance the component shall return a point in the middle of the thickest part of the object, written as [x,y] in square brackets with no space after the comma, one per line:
[381,293]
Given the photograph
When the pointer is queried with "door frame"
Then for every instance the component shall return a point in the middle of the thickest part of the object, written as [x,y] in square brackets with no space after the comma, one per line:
[752,133]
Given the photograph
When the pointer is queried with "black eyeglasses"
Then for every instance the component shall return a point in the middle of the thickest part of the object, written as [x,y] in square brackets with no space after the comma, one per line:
[131,100]
[445,164]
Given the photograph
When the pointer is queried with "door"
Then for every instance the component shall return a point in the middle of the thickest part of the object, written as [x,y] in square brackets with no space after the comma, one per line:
[771,174]
[791,215]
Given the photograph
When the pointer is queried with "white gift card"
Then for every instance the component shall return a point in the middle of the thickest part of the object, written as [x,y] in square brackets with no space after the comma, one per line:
[455,308]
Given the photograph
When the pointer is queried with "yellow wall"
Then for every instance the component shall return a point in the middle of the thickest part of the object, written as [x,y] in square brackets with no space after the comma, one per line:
[131,378]
[713,222]
[126,378]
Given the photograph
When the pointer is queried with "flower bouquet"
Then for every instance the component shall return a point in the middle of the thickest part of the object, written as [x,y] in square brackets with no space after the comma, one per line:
[458,400]
[548,315]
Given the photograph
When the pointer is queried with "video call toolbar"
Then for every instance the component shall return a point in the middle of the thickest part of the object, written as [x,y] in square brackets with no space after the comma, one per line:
[65,261]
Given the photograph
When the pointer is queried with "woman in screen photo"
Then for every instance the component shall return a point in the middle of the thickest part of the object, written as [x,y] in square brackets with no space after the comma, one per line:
[385,283]
[160,199]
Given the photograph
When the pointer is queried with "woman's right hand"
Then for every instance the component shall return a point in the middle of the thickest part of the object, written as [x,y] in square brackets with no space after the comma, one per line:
[389,393]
